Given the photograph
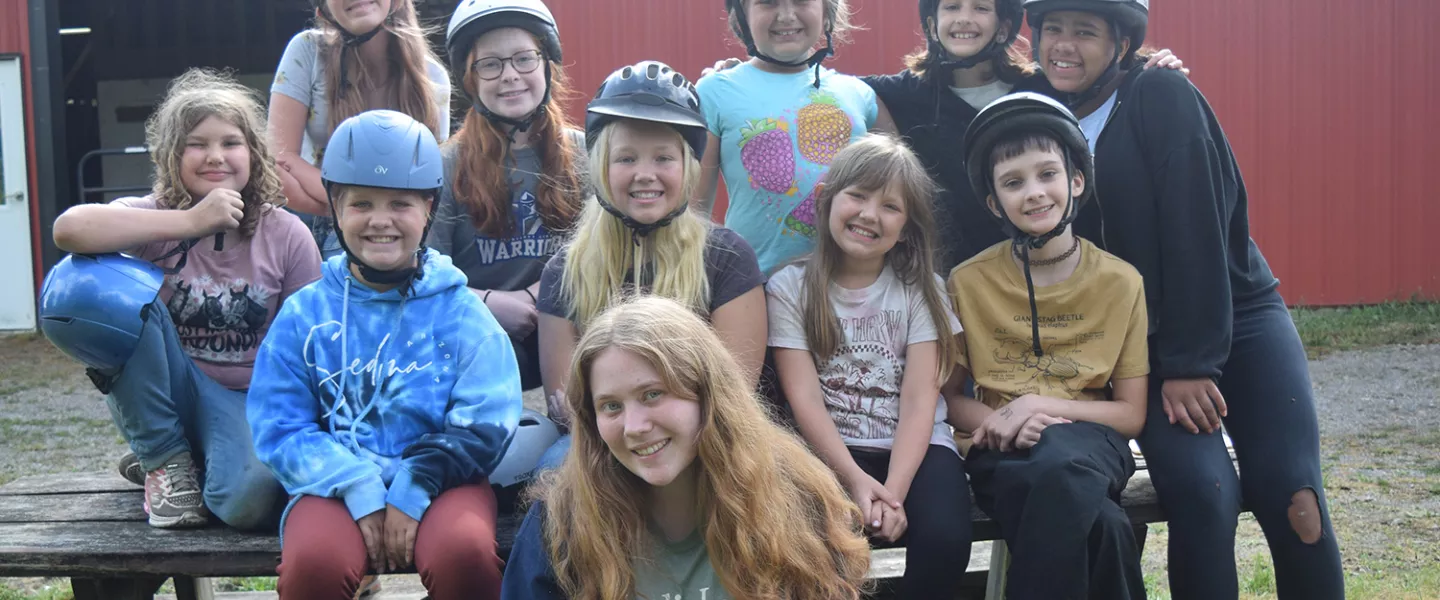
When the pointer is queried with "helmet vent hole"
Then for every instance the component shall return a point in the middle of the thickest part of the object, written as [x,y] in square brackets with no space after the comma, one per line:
[627,73]
[652,71]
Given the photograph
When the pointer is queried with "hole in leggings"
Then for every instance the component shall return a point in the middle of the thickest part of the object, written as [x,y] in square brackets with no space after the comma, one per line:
[1304,515]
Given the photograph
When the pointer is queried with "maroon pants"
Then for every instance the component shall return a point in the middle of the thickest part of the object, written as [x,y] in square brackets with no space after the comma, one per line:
[455,550]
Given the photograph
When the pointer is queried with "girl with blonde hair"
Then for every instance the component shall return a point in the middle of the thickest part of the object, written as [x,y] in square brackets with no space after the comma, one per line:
[360,56]
[660,497]
[183,388]
[645,134]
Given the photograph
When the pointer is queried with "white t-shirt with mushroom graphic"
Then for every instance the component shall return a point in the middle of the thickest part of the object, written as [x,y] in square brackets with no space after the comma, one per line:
[778,135]
[861,382]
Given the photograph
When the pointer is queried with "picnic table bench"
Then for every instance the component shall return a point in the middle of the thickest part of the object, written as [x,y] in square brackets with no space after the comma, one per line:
[91,528]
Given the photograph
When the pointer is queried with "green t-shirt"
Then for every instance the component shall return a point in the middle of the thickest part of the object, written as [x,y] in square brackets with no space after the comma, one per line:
[680,571]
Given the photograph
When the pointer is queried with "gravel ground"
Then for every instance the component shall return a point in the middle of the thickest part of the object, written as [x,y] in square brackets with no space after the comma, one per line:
[1379,417]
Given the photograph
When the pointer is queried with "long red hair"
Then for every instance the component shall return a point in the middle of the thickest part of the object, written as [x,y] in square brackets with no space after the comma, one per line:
[481,149]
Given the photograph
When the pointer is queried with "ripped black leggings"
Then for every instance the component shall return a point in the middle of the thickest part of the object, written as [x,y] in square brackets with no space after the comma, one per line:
[1272,422]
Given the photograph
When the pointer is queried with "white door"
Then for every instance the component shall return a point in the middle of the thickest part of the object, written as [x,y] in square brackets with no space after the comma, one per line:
[17,275]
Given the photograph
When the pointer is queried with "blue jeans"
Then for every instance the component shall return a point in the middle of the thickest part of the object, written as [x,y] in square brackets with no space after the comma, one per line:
[329,243]
[555,455]
[1272,423]
[164,405]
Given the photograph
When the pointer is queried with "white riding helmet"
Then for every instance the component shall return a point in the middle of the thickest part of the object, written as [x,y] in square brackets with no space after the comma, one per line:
[533,437]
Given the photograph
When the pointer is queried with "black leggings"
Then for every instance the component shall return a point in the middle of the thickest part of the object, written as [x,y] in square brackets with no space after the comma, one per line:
[937,537]
[527,356]
[1272,422]
[1057,505]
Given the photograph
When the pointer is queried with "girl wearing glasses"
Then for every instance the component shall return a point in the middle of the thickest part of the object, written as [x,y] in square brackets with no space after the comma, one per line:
[515,171]
[360,56]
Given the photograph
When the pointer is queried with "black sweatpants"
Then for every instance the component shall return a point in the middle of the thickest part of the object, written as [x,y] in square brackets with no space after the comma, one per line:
[1266,385]
[937,508]
[1058,508]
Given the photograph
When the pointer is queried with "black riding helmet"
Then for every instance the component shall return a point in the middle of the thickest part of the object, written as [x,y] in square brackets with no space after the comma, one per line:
[1020,114]
[1127,18]
[647,91]
[741,26]
[938,58]
[474,18]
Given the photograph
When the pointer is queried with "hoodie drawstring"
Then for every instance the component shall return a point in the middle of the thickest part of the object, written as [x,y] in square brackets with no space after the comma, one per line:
[344,360]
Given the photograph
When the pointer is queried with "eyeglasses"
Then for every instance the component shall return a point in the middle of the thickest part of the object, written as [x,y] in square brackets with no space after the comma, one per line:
[491,67]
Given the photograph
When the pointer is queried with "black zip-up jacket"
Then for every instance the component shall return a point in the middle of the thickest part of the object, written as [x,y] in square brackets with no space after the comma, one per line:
[933,121]
[1171,202]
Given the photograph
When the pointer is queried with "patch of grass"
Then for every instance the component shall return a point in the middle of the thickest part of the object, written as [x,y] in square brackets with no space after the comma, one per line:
[1156,587]
[1405,584]
[1326,330]
[1258,577]
[245,584]
[59,591]
[29,361]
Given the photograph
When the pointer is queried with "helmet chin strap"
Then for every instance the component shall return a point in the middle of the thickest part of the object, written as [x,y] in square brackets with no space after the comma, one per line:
[945,62]
[1026,242]
[814,60]
[404,276]
[641,230]
[1074,101]
[352,40]
[513,126]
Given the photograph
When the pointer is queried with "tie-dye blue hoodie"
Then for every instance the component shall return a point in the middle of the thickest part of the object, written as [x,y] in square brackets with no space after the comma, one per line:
[378,398]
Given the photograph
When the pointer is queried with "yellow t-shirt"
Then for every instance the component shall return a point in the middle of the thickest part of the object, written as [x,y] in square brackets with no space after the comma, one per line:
[1092,326]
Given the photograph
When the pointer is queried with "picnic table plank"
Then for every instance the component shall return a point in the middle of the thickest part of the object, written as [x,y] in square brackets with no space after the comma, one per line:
[61,508]
[126,549]
[69,483]
[117,549]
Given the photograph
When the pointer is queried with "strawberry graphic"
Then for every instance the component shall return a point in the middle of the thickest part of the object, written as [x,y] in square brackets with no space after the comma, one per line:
[768,155]
[802,219]
[824,128]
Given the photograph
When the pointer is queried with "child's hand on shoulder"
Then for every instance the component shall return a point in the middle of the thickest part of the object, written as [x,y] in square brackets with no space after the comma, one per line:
[220,210]
[720,65]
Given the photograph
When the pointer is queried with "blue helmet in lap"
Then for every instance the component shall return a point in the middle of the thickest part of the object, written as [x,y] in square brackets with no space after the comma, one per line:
[383,149]
[91,305]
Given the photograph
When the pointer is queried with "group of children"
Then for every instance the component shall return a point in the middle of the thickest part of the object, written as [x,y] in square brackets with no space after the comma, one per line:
[750,407]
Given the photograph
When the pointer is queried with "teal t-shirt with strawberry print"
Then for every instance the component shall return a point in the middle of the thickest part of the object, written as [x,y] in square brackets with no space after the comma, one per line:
[778,135]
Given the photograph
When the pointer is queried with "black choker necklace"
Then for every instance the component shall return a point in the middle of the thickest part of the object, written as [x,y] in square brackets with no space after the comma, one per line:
[1048,261]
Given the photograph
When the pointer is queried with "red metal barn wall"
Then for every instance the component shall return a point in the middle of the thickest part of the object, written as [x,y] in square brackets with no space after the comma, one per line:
[15,39]
[1331,107]
[1328,104]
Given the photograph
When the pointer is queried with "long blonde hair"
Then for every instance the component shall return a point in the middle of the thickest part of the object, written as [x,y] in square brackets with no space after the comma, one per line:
[671,259]
[776,522]
[481,187]
[410,51]
[194,96]
[873,163]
